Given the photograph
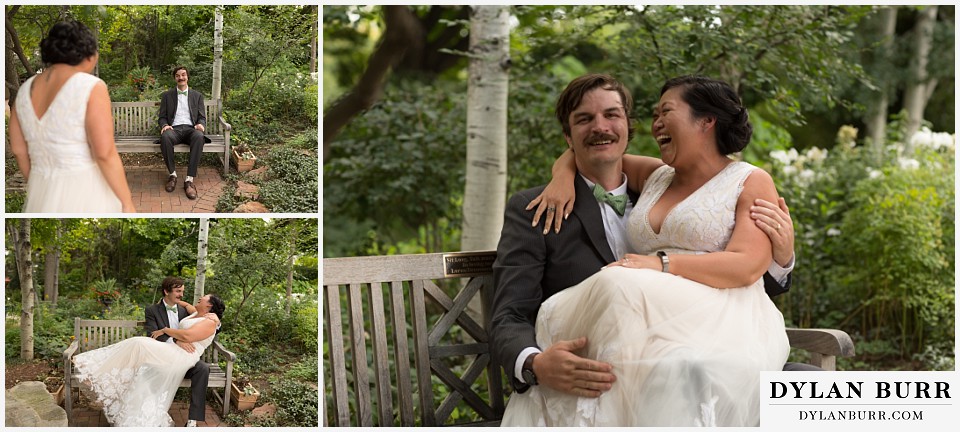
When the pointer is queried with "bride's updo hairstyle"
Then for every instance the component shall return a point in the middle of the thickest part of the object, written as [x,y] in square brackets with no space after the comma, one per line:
[68,42]
[217,306]
[714,98]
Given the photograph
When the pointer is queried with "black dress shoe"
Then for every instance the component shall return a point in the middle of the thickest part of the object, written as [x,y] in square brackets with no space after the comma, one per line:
[171,183]
[190,190]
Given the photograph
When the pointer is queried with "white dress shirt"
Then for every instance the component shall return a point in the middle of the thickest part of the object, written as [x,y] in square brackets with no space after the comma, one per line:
[182,117]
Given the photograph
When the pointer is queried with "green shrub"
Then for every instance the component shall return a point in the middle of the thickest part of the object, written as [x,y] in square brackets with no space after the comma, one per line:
[305,327]
[296,403]
[874,244]
[292,183]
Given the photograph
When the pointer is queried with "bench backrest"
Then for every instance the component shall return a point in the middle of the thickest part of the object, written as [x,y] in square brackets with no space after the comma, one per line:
[365,312]
[93,334]
[140,118]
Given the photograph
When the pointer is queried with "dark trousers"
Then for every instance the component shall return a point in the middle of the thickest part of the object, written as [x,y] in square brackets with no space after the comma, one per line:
[182,134]
[199,375]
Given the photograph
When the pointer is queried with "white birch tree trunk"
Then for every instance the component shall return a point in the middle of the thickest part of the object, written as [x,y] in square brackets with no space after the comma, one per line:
[485,192]
[920,87]
[217,55]
[201,259]
[486,173]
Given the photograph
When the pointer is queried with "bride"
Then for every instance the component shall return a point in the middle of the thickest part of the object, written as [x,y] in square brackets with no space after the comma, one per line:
[684,321]
[61,131]
[137,378]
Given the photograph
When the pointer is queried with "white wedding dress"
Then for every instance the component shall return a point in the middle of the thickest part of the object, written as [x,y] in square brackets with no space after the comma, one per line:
[136,379]
[63,174]
[684,354]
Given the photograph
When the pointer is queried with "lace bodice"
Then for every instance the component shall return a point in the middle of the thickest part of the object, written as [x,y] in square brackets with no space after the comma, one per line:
[58,140]
[703,222]
[190,321]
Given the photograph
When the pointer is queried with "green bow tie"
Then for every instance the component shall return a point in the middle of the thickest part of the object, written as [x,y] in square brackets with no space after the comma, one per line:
[182,92]
[170,308]
[618,202]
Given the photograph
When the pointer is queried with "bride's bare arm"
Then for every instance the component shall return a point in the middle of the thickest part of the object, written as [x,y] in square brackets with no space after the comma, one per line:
[189,307]
[746,257]
[99,125]
[560,194]
[197,332]
[18,144]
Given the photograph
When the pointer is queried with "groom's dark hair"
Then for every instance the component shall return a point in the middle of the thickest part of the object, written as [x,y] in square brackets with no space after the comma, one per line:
[169,283]
[179,68]
[572,96]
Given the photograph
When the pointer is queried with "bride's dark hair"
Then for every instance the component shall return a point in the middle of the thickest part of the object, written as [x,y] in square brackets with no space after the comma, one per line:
[68,42]
[217,306]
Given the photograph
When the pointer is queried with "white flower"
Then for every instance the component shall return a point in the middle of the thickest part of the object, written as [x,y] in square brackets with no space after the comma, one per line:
[909,164]
[780,156]
[806,174]
[816,154]
[833,232]
[789,170]
[874,173]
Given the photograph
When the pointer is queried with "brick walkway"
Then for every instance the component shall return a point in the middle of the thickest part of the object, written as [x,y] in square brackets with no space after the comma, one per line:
[146,187]
[89,417]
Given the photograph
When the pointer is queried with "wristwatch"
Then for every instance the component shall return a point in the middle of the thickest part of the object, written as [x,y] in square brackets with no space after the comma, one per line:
[665,260]
[526,372]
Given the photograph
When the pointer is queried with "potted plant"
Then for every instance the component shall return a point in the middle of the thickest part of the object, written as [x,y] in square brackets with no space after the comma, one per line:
[55,387]
[243,158]
[243,393]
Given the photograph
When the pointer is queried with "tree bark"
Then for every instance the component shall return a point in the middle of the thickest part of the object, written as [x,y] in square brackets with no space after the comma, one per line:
[13,43]
[920,86]
[878,111]
[23,251]
[401,32]
[217,54]
[486,174]
[201,259]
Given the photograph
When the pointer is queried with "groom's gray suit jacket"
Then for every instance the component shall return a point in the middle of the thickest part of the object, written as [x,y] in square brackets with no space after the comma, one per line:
[530,267]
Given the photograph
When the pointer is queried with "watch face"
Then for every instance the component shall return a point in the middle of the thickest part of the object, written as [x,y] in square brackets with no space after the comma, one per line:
[529,376]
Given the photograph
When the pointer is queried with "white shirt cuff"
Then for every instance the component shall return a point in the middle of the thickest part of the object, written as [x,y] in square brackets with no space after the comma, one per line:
[780,273]
[520,359]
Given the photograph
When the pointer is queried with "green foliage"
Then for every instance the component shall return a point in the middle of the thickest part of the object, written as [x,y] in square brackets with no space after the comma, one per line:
[291,185]
[404,156]
[305,327]
[296,403]
[876,239]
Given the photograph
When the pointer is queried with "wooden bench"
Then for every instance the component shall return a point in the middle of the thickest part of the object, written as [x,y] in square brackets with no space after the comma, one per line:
[392,390]
[93,334]
[136,129]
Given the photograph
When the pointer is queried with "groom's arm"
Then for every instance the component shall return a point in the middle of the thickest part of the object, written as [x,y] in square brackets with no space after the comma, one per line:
[201,114]
[162,119]
[152,323]
[517,275]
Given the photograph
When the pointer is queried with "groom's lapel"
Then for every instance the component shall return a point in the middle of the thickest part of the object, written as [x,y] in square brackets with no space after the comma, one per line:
[163,313]
[586,209]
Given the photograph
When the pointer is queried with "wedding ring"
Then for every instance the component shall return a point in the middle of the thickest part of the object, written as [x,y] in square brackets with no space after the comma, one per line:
[777,228]
[550,209]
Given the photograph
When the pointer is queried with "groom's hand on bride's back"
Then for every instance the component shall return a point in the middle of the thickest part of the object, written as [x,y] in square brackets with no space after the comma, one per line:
[559,368]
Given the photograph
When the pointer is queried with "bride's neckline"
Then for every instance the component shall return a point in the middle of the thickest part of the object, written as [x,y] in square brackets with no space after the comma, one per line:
[663,190]
[33,101]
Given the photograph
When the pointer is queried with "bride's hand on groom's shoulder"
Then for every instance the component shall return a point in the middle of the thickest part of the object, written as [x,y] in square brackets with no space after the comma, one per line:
[554,197]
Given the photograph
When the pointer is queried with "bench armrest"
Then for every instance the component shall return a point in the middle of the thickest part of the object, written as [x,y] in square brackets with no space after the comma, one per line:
[71,350]
[824,345]
[224,125]
[231,357]
[822,341]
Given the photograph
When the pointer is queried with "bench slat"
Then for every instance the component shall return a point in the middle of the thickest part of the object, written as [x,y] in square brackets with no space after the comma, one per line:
[401,354]
[422,353]
[334,325]
[380,354]
[359,350]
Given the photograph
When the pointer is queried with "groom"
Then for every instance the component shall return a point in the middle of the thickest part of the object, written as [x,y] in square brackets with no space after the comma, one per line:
[167,313]
[182,121]
[530,266]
